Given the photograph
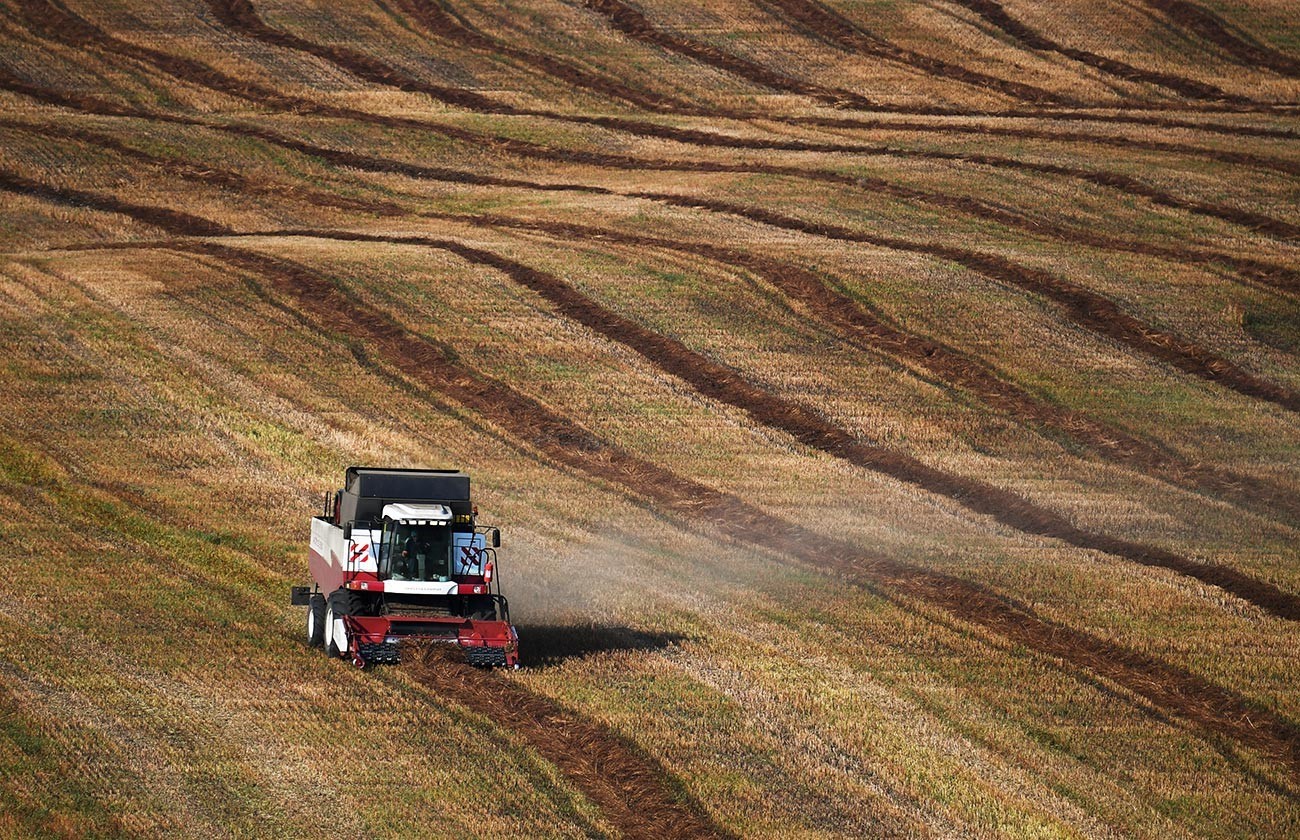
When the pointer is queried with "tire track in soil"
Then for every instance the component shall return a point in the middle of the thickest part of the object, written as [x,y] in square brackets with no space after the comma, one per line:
[634,25]
[1277,276]
[853,320]
[1212,709]
[836,30]
[440,23]
[162,217]
[58,21]
[1256,222]
[241,16]
[996,14]
[721,383]
[1210,27]
[872,332]
[50,21]
[1086,308]
[633,791]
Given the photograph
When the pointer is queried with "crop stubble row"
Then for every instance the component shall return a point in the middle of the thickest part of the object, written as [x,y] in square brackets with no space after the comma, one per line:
[1087,307]
[1211,707]
[58,22]
[832,307]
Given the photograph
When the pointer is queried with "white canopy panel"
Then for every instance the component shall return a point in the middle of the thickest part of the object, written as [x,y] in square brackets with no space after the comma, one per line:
[410,514]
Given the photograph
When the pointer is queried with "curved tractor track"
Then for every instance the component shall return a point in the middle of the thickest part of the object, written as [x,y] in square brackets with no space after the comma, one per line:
[853,320]
[632,790]
[441,23]
[1274,275]
[50,20]
[1265,272]
[1087,308]
[241,16]
[996,14]
[636,26]
[1212,28]
[837,30]
[1211,708]
[723,384]
[719,382]
[872,332]
[59,24]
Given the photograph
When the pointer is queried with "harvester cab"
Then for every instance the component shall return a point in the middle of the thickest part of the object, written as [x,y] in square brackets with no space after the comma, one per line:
[398,555]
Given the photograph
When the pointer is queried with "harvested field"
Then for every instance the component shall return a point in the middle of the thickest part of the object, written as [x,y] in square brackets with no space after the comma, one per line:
[892,412]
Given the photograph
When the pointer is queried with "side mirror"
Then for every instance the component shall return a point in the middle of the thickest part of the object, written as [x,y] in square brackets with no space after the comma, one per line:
[495,534]
[347,530]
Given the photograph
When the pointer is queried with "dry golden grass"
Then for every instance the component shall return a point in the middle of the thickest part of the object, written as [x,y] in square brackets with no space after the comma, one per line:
[174,414]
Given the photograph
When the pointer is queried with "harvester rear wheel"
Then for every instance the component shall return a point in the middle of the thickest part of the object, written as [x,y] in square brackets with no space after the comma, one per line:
[316,620]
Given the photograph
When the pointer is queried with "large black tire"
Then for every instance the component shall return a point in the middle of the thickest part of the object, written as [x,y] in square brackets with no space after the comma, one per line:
[316,620]
[341,602]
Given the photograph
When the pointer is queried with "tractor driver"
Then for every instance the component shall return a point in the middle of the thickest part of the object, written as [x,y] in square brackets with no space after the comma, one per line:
[408,564]
[414,550]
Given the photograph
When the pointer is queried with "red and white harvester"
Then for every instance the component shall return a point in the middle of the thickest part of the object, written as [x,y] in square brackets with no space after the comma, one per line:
[397,554]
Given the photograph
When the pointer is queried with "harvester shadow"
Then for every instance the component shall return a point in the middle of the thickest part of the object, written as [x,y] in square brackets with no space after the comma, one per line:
[545,645]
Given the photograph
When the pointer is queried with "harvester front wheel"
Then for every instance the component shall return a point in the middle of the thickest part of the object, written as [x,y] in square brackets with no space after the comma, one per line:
[331,644]
[316,620]
[341,602]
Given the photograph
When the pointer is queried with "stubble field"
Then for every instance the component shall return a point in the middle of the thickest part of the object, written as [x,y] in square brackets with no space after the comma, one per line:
[890,410]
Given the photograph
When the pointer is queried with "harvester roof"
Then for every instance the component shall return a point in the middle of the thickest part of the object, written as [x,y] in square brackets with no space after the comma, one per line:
[409,514]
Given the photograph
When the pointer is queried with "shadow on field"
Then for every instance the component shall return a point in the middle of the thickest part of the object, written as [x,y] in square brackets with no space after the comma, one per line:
[542,645]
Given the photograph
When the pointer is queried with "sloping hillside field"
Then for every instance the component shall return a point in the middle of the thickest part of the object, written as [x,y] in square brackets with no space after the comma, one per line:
[891,411]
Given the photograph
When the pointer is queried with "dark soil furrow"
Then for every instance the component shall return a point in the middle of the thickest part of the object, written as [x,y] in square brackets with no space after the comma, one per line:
[632,790]
[52,21]
[436,20]
[896,124]
[873,332]
[1212,708]
[217,81]
[855,321]
[1121,183]
[835,29]
[441,23]
[1271,274]
[633,24]
[721,383]
[1085,307]
[995,13]
[171,220]
[1214,29]
[240,15]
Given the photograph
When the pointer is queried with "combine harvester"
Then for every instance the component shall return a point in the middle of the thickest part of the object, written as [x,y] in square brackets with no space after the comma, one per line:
[397,555]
